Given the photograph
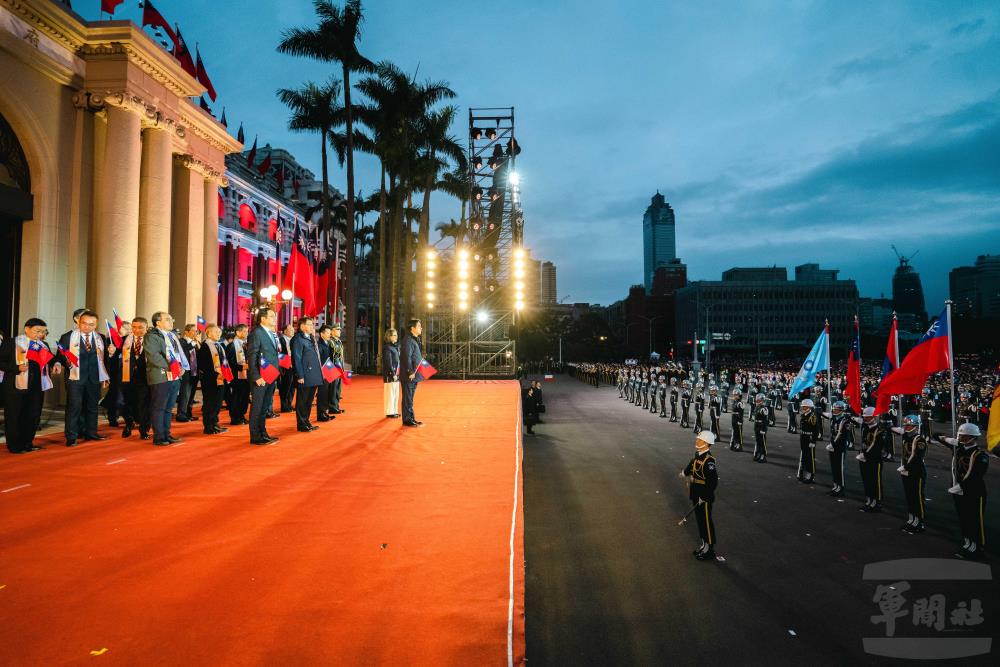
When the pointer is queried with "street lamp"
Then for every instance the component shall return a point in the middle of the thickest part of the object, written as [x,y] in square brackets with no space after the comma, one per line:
[649,321]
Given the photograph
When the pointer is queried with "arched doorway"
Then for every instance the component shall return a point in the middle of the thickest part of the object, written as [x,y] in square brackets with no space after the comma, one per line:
[15,208]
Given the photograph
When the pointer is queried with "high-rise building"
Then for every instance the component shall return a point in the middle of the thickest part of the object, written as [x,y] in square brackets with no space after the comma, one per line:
[976,289]
[908,297]
[533,281]
[659,239]
[549,296]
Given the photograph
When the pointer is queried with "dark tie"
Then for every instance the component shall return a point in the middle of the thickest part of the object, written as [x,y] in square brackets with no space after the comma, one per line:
[86,342]
[137,348]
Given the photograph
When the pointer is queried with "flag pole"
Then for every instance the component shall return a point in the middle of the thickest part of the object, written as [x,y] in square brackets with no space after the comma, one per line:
[829,363]
[951,371]
[895,343]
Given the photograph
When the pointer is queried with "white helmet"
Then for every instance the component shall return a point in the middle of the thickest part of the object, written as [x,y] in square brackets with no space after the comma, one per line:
[868,412]
[706,436]
[806,403]
[970,430]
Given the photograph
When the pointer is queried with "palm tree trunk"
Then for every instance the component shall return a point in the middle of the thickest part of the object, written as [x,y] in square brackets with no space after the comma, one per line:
[350,295]
[383,230]
[395,226]
[408,257]
[326,215]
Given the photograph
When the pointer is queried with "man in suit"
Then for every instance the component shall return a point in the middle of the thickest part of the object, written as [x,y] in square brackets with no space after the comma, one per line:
[308,372]
[135,388]
[85,379]
[239,396]
[336,387]
[286,383]
[261,346]
[409,364]
[323,391]
[185,398]
[210,358]
[24,383]
[161,348]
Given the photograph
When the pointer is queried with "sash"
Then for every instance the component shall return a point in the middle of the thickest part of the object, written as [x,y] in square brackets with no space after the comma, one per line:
[913,446]
[74,347]
[172,354]
[21,352]
[127,358]
[216,364]
[241,359]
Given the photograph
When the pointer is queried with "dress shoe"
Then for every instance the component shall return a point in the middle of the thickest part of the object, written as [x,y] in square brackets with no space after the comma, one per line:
[182,419]
[270,438]
[337,412]
[172,440]
[143,435]
[306,429]
[706,555]
[160,443]
[19,451]
[313,427]
[126,432]
[216,430]
[95,436]
[238,422]
[256,441]
[71,443]
[413,424]
[34,448]
[270,415]
[418,422]
[323,419]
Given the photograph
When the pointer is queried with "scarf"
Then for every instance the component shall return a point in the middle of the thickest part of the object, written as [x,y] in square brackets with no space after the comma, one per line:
[241,359]
[216,364]
[174,351]
[74,347]
[21,351]
[127,356]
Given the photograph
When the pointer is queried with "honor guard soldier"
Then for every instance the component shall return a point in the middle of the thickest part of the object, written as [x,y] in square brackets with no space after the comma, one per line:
[724,387]
[703,479]
[772,405]
[913,472]
[674,393]
[621,383]
[808,435]
[654,390]
[760,429]
[969,464]
[641,393]
[699,408]
[686,405]
[736,438]
[714,409]
[841,439]
[793,408]
[663,396]
[926,405]
[821,403]
[874,434]
[968,413]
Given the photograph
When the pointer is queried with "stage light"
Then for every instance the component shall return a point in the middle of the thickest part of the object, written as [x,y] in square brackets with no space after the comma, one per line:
[430,273]
[287,295]
[430,284]
[519,305]
[462,273]
[494,194]
[519,253]
[463,306]
[495,162]
[463,286]
[431,255]
[478,194]
[475,288]
[483,316]
[476,134]
[430,305]
[463,254]
[514,178]
[519,285]
[519,295]
[491,134]
[477,163]
[265,292]
[518,273]
[476,257]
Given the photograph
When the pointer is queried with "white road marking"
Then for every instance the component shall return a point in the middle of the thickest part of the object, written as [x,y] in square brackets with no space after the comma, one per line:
[15,488]
[111,463]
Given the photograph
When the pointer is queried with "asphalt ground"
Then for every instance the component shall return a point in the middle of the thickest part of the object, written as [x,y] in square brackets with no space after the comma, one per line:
[610,577]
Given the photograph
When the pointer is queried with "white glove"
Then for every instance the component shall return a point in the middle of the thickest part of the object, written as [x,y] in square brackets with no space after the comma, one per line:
[957,490]
[861,457]
[829,448]
[902,471]
[812,445]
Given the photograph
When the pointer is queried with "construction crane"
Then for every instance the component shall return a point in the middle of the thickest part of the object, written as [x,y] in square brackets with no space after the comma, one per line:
[903,261]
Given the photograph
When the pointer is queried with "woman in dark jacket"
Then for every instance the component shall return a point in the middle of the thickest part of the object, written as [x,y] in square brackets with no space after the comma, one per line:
[390,374]
[529,408]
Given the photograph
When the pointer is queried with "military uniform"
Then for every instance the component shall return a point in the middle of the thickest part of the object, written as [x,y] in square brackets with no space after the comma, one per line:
[704,475]
[673,400]
[793,408]
[736,438]
[714,412]
[841,439]
[873,443]
[913,473]
[685,407]
[808,435]
[760,432]
[699,410]
[969,465]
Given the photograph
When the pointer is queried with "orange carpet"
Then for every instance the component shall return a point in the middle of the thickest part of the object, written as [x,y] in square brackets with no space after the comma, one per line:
[361,543]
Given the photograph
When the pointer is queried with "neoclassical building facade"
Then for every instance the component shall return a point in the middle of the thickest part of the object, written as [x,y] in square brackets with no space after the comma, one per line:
[109,173]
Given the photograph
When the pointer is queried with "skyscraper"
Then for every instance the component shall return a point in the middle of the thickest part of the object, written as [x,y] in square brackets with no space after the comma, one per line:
[659,239]
[549,294]
[908,297]
[976,289]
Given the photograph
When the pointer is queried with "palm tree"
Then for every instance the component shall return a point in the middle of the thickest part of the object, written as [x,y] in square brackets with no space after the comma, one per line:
[436,143]
[316,108]
[457,184]
[335,39]
[451,229]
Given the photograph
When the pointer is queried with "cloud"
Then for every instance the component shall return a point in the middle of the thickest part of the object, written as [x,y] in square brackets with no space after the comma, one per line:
[875,62]
[968,27]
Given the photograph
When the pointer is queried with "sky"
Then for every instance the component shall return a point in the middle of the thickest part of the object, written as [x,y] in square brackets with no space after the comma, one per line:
[780,132]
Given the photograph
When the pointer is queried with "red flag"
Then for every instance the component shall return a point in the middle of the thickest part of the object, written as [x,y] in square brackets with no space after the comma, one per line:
[284,360]
[109,6]
[929,356]
[176,369]
[252,155]
[346,376]
[39,353]
[118,320]
[224,367]
[116,337]
[202,75]
[183,54]
[889,364]
[854,370]
[281,177]
[268,372]
[201,323]
[222,206]
[425,370]
[265,165]
[300,276]
[331,371]
[154,18]
[69,356]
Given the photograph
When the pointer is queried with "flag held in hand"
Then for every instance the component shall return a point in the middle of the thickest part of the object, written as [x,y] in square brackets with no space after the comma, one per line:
[284,361]
[268,371]
[425,370]
[346,376]
[39,353]
[116,337]
[69,356]
[118,320]
[225,368]
[330,371]
[200,322]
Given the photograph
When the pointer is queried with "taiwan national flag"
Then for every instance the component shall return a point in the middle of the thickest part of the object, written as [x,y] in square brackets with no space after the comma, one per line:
[929,356]
[330,371]
[284,360]
[116,337]
[346,376]
[224,367]
[118,319]
[69,356]
[301,275]
[201,323]
[176,370]
[39,353]
[268,371]
[889,365]
[854,370]
[425,370]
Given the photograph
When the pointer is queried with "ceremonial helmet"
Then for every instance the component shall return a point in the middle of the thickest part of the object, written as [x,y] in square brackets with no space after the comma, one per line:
[663,378]
[698,387]
[911,422]
[806,403]
[686,384]
[970,431]
[737,392]
[839,406]
[926,391]
[818,389]
[868,414]
[673,382]
[713,389]
[759,398]
[966,396]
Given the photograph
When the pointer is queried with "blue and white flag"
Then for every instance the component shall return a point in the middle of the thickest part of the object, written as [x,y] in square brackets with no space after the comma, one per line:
[818,360]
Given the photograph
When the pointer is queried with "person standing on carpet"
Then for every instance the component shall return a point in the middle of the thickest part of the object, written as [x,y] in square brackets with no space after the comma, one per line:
[134,387]
[703,478]
[308,372]
[390,374]
[409,363]
[24,382]
[239,394]
[286,383]
[323,392]
[262,348]
[337,354]
[190,344]
[163,349]
[210,356]
[85,379]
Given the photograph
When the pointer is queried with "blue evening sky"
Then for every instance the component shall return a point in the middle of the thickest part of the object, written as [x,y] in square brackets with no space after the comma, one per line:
[780,132]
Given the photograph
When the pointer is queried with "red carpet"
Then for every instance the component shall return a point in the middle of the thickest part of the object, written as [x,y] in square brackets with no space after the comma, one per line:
[360,543]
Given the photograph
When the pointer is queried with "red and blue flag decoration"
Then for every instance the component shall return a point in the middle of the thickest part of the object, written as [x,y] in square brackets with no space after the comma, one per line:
[39,353]
[116,337]
[854,370]
[183,54]
[69,356]
[224,367]
[201,323]
[284,360]
[929,356]
[425,370]
[109,6]
[346,376]
[118,320]
[151,17]
[267,371]
[202,75]
[302,273]
[330,371]
[175,367]
[889,364]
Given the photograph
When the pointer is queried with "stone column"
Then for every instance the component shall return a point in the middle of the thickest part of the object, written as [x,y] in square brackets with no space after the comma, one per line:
[210,267]
[153,286]
[116,231]
[188,240]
